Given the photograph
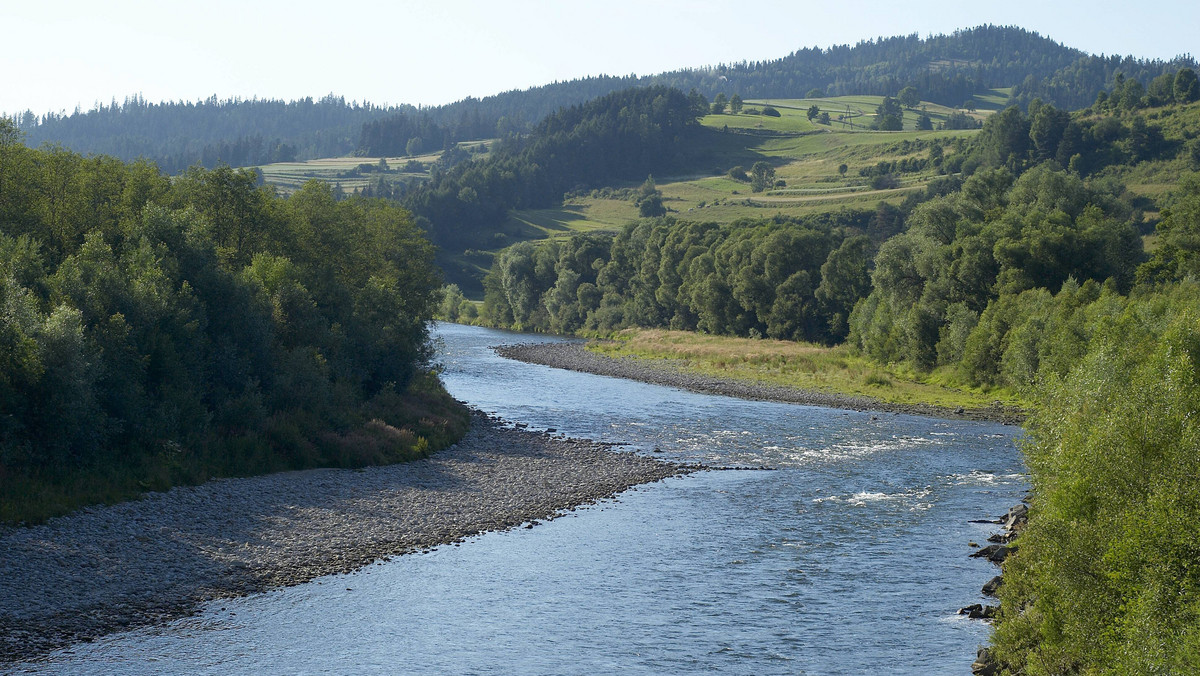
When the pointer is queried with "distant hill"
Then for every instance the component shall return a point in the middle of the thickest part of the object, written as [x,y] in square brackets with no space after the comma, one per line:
[944,69]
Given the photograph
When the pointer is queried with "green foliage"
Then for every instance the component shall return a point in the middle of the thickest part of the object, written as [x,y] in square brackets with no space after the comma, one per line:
[782,279]
[155,332]
[649,200]
[909,98]
[718,104]
[1104,581]
[762,176]
[1178,254]
[888,115]
[971,253]
[1186,87]
[960,120]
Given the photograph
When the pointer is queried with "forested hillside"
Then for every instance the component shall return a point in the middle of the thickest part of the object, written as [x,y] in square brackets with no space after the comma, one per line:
[158,332]
[619,137]
[944,69]
[1037,271]
[177,135]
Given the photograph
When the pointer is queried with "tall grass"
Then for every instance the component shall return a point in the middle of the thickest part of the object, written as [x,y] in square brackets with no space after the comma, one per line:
[834,370]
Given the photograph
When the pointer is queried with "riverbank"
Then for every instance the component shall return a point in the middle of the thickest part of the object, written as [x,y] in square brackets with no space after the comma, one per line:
[112,568]
[575,357]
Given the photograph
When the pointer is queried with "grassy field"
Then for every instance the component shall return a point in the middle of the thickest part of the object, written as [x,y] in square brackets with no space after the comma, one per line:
[348,172]
[806,157]
[855,113]
[287,177]
[575,215]
[812,367]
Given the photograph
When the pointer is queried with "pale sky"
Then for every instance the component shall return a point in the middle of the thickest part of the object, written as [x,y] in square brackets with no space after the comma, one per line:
[57,54]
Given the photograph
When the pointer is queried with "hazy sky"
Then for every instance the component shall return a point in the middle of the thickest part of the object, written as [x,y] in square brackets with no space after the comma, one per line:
[56,54]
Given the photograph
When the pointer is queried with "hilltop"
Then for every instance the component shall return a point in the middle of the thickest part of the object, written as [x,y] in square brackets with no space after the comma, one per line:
[948,69]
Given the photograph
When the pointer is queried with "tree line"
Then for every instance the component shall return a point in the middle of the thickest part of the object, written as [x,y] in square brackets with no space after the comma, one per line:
[947,69]
[783,278]
[162,331]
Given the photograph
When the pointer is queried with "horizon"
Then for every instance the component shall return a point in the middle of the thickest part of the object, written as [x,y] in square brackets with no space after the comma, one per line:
[479,50]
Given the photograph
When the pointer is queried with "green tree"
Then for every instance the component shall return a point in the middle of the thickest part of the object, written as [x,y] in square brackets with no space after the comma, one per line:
[735,104]
[1005,139]
[1178,253]
[649,200]
[1047,125]
[697,103]
[1187,86]
[762,176]
[813,111]
[718,104]
[844,281]
[888,115]
[909,98]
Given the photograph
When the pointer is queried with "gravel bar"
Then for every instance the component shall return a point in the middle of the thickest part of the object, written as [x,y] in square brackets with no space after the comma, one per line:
[575,357]
[106,569]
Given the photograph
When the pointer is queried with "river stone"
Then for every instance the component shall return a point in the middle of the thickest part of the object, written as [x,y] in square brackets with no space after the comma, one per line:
[1016,518]
[986,552]
[984,664]
[993,585]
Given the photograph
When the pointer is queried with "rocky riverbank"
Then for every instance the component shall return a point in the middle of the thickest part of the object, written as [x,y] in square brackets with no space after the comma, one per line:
[106,569]
[574,357]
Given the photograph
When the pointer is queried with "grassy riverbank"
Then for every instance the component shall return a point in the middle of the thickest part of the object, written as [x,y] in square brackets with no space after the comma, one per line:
[830,370]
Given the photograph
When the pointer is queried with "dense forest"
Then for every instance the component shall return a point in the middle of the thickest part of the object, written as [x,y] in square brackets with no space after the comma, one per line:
[178,135]
[946,69]
[159,331]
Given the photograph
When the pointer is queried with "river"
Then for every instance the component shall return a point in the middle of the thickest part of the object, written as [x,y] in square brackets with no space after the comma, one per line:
[848,557]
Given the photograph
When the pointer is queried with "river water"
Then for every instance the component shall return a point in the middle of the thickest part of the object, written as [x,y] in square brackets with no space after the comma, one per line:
[849,557]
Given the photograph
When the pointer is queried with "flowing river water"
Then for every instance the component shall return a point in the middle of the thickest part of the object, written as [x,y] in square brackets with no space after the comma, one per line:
[848,557]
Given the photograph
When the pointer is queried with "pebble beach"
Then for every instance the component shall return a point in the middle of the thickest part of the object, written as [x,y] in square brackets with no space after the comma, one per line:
[111,568]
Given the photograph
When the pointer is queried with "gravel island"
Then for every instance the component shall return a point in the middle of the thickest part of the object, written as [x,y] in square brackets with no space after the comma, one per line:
[106,569]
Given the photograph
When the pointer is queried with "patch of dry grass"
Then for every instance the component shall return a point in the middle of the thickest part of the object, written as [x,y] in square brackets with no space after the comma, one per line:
[836,370]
